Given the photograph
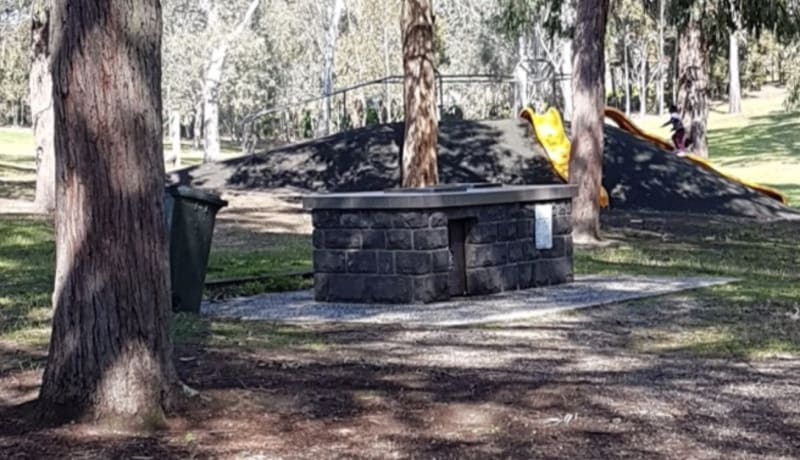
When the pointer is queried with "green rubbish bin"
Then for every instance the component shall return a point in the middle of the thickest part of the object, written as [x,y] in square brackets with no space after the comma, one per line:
[190,215]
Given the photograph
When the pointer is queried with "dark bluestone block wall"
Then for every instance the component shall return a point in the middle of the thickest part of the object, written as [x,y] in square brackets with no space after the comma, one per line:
[402,256]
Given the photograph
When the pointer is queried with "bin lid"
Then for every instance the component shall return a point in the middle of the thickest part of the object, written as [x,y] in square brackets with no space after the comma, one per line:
[183,191]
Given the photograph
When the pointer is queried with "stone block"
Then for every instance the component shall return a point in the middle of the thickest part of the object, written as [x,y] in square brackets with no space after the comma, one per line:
[373,239]
[559,249]
[490,213]
[438,219]
[482,233]
[486,255]
[552,271]
[385,262]
[346,288]
[381,219]
[318,239]
[362,262]
[412,263]
[431,288]
[525,275]
[509,277]
[562,225]
[342,239]
[482,281]
[410,220]
[325,219]
[354,220]
[525,229]
[516,252]
[329,261]
[507,231]
[430,239]
[441,261]
[398,239]
[321,287]
[562,208]
[390,289]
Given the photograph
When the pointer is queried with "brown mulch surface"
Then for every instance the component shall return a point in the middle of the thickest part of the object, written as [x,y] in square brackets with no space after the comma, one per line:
[563,387]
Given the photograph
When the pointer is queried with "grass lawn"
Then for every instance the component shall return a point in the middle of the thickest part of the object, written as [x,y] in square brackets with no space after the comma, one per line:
[762,144]
[27,261]
[752,318]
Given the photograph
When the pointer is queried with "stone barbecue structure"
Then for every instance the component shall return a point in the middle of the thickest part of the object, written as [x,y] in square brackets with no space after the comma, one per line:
[427,245]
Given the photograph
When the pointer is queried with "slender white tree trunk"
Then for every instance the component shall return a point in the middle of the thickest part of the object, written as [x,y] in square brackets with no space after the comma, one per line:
[41,88]
[627,76]
[335,11]
[735,85]
[566,81]
[175,137]
[643,84]
[521,77]
[212,83]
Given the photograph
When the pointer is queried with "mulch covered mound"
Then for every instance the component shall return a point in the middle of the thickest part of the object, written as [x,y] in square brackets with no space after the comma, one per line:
[638,175]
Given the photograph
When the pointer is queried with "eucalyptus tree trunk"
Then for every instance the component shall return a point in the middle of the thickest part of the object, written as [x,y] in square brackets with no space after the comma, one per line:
[41,88]
[418,157]
[626,68]
[643,84]
[110,354]
[567,48]
[735,85]
[213,81]
[586,156]
[693,76]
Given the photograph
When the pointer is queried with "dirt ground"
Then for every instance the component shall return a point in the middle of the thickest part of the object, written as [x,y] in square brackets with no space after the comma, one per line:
[565,387]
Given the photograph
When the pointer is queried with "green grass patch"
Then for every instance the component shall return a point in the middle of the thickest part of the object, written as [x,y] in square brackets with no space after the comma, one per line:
[27,263]
[761,144]
[190,329]
[756,317]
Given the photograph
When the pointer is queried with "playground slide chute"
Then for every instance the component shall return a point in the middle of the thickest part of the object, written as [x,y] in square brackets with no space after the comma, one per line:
[627,125]
[549,130]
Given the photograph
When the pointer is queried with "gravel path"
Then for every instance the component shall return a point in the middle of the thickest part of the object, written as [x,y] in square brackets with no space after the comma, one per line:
[585,292]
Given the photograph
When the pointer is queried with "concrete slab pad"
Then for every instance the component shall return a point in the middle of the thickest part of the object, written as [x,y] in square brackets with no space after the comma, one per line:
[585,292]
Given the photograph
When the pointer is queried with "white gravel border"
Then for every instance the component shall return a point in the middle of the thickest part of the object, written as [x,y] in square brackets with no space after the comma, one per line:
[585,292]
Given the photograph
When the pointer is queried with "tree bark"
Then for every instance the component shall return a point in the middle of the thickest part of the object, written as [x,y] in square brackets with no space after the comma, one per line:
[643,82]
[586,156]
[175,137]
[110,352]
[735,85]
[567,58]
[693,76]
[418,157]
[626,65]
[213,82]
[41,88]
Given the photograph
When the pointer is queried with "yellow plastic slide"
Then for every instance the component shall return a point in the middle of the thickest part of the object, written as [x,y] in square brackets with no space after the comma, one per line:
[627,125]
[549,130]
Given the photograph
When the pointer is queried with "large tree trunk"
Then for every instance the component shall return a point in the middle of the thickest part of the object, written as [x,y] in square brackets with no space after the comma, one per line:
[110,352]
[41,87]
[693,75]
[213,82]
[586,156]
[328,65]
[735,85]
[418,158]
